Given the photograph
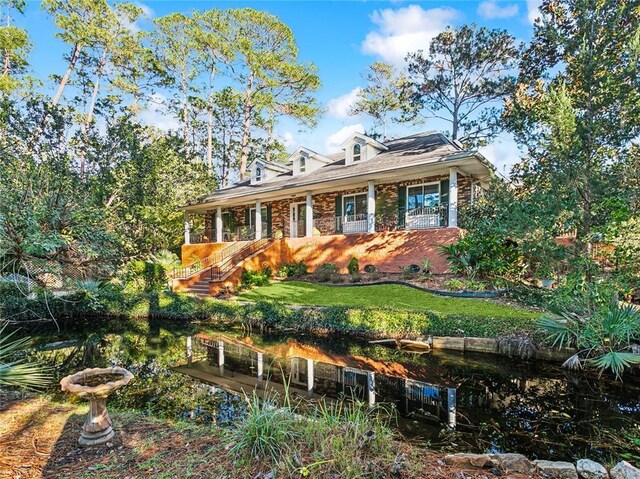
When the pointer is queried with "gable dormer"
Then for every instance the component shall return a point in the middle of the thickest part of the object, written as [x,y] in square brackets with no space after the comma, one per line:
[359,148]
[304,160]
[262,171]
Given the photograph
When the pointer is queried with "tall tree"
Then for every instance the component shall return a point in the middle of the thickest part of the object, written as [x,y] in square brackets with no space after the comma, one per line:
[211,34]
[268,68]
[577,107]
[383,95]
[14,48]
[463,80]
[175,49]
[81,24]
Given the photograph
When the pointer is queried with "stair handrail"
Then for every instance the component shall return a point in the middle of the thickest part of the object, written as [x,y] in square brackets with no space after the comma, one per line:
[200,265]
[219,270]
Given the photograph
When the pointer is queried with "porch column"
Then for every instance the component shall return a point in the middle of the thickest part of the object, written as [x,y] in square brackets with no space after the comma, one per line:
[453,197]
[309,216]
[258,220]
[371,208]
[187,236]
[219,225]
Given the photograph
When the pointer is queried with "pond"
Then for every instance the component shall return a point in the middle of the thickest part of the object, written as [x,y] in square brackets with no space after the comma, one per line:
[453,401]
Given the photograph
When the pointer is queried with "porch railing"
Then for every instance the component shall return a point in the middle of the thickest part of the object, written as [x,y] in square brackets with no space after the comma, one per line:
[202,264]
[219,270]
[352,223]
[429,217]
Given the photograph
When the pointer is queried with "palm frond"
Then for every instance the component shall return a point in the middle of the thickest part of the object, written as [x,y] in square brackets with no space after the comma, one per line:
[616,362]
[16,371]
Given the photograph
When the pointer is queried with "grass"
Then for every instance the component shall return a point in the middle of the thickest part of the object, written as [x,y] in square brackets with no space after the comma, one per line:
[381,296]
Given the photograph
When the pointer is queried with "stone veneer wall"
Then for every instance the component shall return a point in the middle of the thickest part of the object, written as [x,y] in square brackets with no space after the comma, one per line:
[324,206]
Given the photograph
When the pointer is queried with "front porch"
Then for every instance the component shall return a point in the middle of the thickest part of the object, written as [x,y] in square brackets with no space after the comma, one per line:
[419,204]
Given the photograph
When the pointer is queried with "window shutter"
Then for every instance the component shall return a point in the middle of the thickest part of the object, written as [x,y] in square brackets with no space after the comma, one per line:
[269,226]
[402,205]
[444,200]
[338,213]
[247,213]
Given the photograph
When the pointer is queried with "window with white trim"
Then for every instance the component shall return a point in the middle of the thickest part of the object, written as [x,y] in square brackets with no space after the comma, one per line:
[354,205]
[423,196]
[303,164]
[258,174]
[357,152]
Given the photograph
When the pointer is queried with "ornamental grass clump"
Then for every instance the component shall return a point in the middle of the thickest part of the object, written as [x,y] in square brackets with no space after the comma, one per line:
[344,438]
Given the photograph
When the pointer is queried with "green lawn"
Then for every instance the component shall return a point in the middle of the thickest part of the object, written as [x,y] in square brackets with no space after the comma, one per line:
[380,296]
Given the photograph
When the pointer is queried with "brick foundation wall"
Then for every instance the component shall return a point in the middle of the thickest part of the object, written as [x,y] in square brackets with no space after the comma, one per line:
[389,251]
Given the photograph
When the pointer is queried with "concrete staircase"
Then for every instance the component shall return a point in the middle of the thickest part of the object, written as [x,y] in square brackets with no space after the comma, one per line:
[217,271]
[199,288]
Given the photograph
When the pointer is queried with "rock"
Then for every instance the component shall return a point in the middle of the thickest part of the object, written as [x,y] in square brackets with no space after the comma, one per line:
[624,470]
[513,463]
[472,461]
[557,469]
[588,469]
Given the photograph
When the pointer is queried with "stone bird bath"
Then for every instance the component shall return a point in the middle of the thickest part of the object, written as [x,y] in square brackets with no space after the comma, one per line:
[95,385]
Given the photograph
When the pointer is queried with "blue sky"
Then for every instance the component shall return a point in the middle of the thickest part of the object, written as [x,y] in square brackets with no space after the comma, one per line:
[341,38]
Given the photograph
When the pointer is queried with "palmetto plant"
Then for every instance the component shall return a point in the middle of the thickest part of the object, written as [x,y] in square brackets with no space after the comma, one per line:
[606,340]
[15,371]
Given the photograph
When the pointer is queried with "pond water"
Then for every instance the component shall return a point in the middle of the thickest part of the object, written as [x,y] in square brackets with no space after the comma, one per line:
[456,402]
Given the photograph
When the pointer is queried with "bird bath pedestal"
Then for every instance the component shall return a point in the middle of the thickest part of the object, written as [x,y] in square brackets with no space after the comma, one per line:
[96,385]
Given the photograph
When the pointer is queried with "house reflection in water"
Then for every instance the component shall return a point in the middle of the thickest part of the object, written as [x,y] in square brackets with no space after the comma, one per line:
[241,366]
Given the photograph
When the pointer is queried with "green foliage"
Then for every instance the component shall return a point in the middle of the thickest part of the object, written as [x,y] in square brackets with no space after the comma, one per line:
[15,371]
[292,270]
[604,340]
[408,272]
[144,276]
[353,267]
[456,284]
[256,278]
[267,432]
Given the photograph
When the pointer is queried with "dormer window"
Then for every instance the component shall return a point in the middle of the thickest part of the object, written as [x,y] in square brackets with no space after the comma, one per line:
[258,172]
[357,152]
[303,164]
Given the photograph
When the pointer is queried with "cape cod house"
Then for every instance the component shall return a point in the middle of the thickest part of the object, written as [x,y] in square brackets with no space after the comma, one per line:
[387,203]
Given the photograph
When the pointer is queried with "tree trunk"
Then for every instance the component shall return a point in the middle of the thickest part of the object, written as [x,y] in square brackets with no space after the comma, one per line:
[185,112]
[67,75]
[248,107]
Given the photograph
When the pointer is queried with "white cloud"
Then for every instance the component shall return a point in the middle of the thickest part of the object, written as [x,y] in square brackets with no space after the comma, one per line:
[533,10]
[156,114]
[490,9]
[340,107]
[405,30]
[333,142]
[287,140]
[503,153]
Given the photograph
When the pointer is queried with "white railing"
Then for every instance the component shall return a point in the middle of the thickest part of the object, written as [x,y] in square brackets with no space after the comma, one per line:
[422,218]
[352,223]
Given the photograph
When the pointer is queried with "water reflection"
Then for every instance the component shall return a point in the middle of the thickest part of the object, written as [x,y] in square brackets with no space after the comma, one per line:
[458,402]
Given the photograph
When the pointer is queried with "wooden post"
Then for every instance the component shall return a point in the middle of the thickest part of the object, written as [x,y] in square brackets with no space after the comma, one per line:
[309,216]
[453,197]
[258,221]
[219,225]
[371,208]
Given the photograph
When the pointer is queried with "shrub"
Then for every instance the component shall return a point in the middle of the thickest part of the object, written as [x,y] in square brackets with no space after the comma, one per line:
[325,273]
[336,278]
[292,270]
[454,284]
[369,268]
[256,278]
[426,266]
[144,276]
[353,267]
[604,340]
[355,278]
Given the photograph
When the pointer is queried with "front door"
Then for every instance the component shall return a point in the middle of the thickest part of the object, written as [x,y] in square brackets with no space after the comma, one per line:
[298,220]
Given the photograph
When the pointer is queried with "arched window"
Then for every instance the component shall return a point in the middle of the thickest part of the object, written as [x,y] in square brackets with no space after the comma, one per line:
[303,164]
[356,152]
[258,172]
